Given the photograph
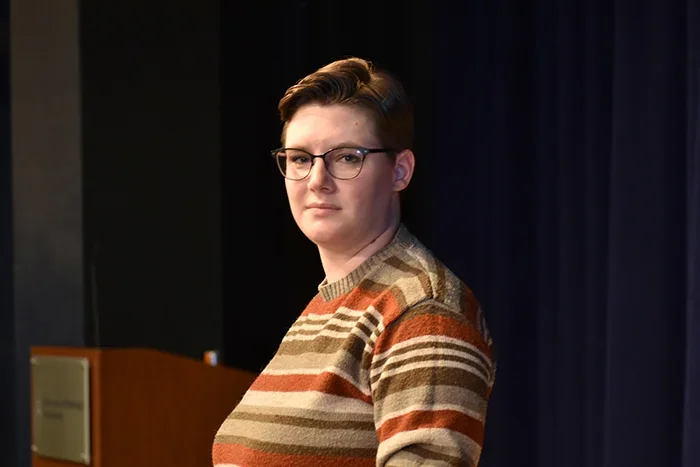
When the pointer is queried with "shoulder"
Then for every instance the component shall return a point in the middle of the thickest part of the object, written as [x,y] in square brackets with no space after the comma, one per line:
[434,309]
[413,275]
[418,283]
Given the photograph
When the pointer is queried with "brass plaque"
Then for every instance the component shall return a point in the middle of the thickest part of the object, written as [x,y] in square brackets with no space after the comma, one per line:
[61,392]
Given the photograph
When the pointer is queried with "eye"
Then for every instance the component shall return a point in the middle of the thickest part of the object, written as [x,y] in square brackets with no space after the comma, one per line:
[349,158]
[298,159]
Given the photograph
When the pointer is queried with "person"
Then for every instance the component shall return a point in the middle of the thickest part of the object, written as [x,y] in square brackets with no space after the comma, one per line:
[391,362]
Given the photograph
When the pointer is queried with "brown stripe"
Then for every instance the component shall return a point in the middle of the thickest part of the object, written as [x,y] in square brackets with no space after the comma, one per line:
[429,307]
[296,448]
[324,321]
[353,321]
[432,358]
[374,322]
[362,327]
[438,376]
[441,286]
[418,273]
[399,297]
[305,422]
[369,286]
[424,453]
[297,411]
[352,344]
[484,368]
[328,327]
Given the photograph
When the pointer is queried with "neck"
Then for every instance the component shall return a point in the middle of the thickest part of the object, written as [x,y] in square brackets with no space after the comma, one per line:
[339,263]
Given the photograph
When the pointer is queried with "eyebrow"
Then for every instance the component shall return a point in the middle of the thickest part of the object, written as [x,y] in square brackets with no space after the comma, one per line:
[342,144]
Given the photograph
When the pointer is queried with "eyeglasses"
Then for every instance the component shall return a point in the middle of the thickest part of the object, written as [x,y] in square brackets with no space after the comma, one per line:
[341,163]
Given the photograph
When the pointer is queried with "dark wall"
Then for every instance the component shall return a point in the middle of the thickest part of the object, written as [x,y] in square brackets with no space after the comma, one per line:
[116,194]
[46,191]
[151,154]
[271,269]
[7,325]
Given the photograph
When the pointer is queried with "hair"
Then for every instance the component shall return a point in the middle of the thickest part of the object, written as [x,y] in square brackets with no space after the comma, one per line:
[355,82]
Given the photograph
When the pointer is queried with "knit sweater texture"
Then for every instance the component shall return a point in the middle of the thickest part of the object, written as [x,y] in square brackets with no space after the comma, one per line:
[391,365]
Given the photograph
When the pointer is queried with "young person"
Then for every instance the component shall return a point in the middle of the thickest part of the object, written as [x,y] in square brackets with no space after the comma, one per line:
[391,362]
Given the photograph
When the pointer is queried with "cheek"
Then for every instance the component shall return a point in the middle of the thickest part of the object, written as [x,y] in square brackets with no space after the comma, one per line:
[371,196]
[293,194]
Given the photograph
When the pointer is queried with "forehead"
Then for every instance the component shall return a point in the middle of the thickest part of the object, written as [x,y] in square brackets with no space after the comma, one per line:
[321,127]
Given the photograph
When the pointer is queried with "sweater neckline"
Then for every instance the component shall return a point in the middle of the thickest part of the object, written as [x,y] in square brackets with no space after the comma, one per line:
[332,290]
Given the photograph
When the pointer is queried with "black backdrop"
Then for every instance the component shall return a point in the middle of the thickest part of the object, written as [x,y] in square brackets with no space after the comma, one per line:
[558,147]
[7,340]
[558,172]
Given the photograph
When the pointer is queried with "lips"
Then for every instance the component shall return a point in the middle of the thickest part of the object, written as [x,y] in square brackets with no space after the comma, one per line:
[325,206]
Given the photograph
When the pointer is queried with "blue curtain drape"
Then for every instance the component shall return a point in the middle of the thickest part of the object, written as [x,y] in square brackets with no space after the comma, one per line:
[567,139]
[558,173]
[691,402]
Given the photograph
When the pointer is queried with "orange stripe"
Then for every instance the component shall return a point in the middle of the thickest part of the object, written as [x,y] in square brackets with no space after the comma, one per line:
[388,306]
[325,382]
[241,455]
[426,325]
[449,419]
[318,307]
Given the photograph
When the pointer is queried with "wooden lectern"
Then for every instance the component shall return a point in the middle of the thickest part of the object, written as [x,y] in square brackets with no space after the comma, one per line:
[147,408]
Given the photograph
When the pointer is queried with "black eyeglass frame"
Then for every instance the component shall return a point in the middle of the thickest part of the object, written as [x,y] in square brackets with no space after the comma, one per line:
[363,151]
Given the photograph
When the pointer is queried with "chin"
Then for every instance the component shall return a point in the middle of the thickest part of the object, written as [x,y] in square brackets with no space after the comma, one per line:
[323,231]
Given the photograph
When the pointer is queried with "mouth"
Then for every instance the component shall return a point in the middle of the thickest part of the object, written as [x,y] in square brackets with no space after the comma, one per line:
[323,207]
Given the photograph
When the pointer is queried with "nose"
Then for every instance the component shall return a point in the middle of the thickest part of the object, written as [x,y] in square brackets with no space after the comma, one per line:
[319,178]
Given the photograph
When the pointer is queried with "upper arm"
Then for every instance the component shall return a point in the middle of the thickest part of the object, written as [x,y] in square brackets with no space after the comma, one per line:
[431,378]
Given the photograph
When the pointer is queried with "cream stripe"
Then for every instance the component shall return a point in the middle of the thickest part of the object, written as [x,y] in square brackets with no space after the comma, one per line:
[402,459]
[430,339]
[314,400]
[393,404]
[298,435]
[344,311]
[432,364]
[315,413]
[317,327]
[335,322]
[427,352]
[308,360]
[326,332]
[442,440]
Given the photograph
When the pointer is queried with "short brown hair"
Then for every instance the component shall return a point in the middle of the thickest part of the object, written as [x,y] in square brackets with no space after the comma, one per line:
[357,83]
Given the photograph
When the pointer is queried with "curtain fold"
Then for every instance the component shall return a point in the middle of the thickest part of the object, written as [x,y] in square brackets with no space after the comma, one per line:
[691,408]
[569,132]
[558,174]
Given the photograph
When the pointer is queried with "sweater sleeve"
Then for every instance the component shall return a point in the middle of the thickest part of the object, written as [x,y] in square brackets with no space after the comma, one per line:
[431,378]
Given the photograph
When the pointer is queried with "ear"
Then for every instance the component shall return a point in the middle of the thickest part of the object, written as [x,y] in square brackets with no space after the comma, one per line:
[403,169]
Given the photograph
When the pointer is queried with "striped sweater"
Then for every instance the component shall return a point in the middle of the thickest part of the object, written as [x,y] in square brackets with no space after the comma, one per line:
[389,366]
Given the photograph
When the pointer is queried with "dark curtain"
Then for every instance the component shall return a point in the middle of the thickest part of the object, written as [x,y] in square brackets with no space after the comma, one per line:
[577,130]
[558,148]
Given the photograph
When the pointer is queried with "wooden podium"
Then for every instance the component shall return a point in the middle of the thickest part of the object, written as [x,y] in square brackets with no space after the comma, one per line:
[149,408]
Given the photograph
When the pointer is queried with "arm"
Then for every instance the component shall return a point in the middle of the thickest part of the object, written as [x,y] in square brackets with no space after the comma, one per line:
[431,378]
